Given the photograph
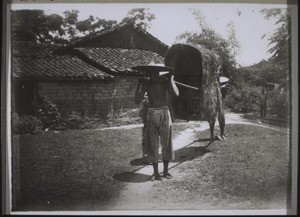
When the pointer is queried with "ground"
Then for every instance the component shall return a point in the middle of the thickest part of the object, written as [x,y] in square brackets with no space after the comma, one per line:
[247,170]
[202,179]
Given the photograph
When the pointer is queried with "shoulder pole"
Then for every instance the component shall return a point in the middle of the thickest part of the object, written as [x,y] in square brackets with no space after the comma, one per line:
[187,86]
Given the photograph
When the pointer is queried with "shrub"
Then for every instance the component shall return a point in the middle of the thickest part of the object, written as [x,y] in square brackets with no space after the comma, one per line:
[75,121]
[124,117]
[48,114]
[26,124]
[243,100]
[279,103]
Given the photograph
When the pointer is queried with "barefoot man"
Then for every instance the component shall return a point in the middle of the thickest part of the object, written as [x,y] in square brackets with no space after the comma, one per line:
[160,90]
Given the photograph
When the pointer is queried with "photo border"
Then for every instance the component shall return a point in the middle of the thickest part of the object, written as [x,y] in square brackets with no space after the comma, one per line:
[6,107]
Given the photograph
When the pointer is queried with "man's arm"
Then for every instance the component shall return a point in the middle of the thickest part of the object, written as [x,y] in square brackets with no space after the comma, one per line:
[139,92]
[173,87]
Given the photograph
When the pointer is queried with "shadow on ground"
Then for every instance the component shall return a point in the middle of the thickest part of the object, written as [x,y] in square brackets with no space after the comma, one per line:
[138,162]
[131,177]
[187,153]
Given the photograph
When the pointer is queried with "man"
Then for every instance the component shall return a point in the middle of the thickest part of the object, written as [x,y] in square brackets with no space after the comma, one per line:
[212,102]
[159,89]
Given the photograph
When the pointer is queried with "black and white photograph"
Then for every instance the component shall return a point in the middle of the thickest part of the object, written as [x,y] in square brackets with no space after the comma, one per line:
[150,108]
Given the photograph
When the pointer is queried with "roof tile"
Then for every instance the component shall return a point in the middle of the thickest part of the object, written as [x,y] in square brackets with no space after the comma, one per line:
[30,60]
[120,60]
[114,28]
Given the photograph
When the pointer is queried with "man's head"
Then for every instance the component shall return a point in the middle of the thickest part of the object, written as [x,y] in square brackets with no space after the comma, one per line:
[154,75]
[153,70]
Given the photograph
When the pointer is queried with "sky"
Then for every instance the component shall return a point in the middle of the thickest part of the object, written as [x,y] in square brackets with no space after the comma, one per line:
[176,18]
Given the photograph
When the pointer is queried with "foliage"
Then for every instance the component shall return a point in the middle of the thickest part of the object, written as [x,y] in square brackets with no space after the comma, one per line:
[48,114]
[279,103]
[281,38]
[91,25]
[36,26]
[262,72]
[245,99]
[140,17]
[227,49]
[26,124]
[275,70]
[77,121]
[124,117]
[234,45]
[48,117]
[69,23]
[256,76]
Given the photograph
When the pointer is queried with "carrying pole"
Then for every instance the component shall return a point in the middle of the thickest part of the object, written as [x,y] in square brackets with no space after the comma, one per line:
[185,85]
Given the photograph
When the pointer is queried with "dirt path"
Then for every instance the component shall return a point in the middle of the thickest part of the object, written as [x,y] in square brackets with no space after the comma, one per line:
[141,195]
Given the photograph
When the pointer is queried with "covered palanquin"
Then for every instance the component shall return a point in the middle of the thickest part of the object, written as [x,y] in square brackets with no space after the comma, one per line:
[196,66]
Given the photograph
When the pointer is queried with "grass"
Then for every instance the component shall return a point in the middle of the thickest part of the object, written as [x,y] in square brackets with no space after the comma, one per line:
[248,170]
[74,169]
[61,170]
[270,119]
[253,165]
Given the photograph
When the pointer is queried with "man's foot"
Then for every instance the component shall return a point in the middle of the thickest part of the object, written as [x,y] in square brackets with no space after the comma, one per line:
[218,137]
[155,177]
[167,175]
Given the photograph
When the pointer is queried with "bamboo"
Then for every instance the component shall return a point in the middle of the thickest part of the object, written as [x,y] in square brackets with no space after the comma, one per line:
[185,85]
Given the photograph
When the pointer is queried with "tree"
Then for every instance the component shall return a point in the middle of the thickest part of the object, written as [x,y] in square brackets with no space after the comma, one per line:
[281,38]
[69,24]
[35,26]
[91,25]
[73,28]
[227,49]
[280,42]
[234,45]
[140,17]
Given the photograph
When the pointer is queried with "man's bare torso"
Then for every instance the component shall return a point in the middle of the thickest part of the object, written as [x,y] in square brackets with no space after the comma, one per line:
[158,93]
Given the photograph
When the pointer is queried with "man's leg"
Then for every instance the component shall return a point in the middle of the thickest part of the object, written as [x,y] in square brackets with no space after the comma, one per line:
[155,175]
[221,115]
[167,144]
[144,132]
[166,173]
[152,141]
[212,129]
[221,119]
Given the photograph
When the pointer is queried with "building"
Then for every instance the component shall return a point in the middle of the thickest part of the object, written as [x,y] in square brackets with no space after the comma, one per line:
[91,76]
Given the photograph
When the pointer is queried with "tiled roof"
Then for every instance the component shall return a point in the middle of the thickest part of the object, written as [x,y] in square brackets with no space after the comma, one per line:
[116,27]
[120,60]
[30,60]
